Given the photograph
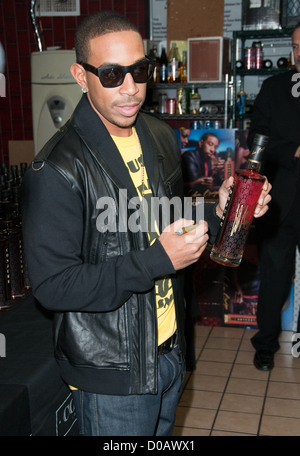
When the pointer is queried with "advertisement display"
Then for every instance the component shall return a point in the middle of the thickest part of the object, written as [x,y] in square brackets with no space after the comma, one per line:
[225,296]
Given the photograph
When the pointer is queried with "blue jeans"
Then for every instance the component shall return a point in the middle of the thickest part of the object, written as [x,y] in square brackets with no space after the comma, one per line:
[134,415]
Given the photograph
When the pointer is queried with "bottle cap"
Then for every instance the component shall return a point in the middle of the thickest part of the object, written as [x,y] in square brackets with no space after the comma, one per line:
[258,146]
[260,140]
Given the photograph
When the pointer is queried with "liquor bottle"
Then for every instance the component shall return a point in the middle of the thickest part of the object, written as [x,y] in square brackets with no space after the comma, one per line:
[240,101]
[174,59]
[156,73]
[238,214]
[195,100]
[183,68]
[163,66]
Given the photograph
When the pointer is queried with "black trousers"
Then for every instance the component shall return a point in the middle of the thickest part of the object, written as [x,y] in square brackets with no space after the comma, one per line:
[277,247]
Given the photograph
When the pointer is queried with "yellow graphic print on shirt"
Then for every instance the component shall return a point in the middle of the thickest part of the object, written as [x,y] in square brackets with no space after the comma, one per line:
[131,152]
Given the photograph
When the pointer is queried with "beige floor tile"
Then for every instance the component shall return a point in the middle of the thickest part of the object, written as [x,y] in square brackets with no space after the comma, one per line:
[190,432]
[281,374]
[244,357]
[226,356]
[194,417]
[282,407]
[230,434]
[286,347]
[279,426]
[201,399]
[200,341]
[237,422]
[202,330]
[284,390]
[223,344]
[285,336]
[248,371]
[247,386]
[246,345]
[221,331]
[249,333]
[213,368]
[206,383]
[242,403]
[226,392]
[286,360]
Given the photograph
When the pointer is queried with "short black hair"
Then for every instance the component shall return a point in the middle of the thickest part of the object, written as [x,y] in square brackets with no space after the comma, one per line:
[98,24]
[206,135]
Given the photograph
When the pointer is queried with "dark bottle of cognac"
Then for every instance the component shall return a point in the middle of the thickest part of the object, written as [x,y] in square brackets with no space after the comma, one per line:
[238,214]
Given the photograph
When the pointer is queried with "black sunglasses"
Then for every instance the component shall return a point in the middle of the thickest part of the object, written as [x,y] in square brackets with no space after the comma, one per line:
[113,75]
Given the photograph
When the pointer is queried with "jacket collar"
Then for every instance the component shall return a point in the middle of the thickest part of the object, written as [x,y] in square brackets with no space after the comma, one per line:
[96,137]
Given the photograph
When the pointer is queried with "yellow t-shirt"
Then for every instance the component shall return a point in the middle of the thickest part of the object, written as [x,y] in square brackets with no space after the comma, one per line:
[131,152]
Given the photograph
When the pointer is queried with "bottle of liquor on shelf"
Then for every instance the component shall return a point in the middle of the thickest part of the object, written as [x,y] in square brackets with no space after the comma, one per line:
[195,101]
[173,66]
[240,100]
[238,214]
[156,73]
[163,66]
[183,68]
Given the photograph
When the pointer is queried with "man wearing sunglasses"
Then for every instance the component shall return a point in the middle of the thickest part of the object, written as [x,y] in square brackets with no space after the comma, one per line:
[117,293]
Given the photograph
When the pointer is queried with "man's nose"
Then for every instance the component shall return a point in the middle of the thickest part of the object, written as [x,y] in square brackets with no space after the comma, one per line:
[129,86]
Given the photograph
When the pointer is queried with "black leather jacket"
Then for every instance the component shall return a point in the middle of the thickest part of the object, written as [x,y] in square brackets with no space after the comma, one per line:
[100,284]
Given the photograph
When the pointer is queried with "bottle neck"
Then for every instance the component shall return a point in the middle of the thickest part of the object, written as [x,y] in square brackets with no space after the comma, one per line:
[253,165]
[254,159]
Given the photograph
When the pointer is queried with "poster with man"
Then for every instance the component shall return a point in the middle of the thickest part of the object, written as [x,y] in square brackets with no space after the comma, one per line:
[208,157]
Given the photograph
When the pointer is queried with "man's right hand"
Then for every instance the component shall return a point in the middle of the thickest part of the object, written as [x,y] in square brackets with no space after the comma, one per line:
[187,248]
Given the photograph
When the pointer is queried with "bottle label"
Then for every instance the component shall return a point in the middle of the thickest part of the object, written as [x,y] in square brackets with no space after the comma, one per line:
[226,209]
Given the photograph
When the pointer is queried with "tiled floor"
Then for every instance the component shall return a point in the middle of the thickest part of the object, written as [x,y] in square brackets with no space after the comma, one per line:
[227,395]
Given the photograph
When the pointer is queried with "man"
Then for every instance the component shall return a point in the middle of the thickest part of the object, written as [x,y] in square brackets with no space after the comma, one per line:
[277,115]
[116,290]
[197,165]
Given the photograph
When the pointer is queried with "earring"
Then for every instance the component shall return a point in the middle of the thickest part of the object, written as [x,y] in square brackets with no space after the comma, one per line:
[84,89]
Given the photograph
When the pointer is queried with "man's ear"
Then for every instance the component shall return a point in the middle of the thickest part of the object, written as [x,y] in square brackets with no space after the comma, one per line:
[79,74]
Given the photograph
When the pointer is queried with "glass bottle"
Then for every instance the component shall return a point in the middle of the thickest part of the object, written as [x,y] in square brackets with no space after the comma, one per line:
[163,66]
[240,100]
[156,73]
[195,100]
[238,214]
[5,291]
[183,68]
[12,233]
[174,59]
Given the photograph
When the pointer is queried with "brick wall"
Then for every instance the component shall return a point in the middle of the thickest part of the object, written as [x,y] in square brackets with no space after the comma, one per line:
[18,40]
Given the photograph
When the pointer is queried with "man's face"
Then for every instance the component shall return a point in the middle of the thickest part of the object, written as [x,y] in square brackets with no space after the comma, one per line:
[184,137]
[117,107]
[296,48]
[209,146]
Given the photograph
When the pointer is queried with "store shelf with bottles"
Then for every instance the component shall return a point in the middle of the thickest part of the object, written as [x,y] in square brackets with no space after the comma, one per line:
[185,85]
[241,40]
